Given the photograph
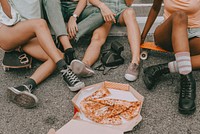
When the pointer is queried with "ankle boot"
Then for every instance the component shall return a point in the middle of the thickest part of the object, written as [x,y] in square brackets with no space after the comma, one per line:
[152,73]
[187,94]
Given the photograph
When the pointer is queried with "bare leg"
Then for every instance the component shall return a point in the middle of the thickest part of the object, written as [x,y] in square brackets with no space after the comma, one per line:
[65,41]
[172,34]
[98,39]
[128,18]
[43,71]
[195,52]
[26,30]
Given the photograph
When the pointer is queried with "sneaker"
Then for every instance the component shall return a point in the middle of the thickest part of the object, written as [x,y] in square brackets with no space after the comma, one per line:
[132,72]
[22,96]
[69,55]
[81,69]
[72,80]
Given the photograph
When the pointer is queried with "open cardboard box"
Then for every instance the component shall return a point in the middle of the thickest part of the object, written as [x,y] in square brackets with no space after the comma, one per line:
[81,125]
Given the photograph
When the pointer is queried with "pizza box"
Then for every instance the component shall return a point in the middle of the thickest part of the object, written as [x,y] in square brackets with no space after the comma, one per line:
[81,125]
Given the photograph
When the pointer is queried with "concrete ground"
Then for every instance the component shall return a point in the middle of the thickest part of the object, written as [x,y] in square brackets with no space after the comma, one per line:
[160,110]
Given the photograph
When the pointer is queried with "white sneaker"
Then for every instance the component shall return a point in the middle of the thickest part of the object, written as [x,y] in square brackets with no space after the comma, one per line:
[132,72]
[81,69]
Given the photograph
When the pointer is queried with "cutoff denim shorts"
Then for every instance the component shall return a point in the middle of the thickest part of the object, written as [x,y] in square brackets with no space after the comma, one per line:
[193,32]
[116,6]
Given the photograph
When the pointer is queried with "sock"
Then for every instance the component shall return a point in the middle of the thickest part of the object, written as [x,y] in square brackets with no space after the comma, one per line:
[30,83]
[173,68]
[61,64]
[183,61]
[69,55]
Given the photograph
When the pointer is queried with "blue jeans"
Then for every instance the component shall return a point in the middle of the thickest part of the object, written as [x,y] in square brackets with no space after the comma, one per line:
[57,12]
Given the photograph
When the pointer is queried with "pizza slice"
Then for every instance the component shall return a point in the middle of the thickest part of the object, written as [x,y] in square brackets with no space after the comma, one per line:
[112,102]
[115,120]
[131,112]
[90,106]
[100,93]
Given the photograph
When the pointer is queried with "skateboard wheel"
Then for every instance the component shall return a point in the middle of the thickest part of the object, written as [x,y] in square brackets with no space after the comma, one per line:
[5,69]
[144,55]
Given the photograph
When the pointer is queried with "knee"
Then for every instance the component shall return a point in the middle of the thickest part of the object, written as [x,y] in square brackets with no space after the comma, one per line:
[129,12]
[180,17]
[97,37]
[40,23]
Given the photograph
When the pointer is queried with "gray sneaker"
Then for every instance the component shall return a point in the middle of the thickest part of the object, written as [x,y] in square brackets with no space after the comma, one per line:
[81,69]
[23,98]
[132,72]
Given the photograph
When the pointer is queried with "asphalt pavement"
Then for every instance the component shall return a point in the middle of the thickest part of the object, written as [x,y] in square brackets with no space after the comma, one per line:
[160,110]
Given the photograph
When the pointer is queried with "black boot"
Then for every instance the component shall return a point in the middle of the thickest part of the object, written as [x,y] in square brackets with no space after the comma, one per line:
[187,94]
[69,55]
[152,73]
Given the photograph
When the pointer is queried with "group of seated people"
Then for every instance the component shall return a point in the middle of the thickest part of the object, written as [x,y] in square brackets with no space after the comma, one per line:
[71,19]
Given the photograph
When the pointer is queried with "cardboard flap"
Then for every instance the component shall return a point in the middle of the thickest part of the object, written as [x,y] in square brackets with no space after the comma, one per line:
[80,127]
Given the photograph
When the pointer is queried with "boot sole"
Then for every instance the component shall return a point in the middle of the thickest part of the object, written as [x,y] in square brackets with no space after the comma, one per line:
[78,67]
[22,99]
[187,112]
[77,87]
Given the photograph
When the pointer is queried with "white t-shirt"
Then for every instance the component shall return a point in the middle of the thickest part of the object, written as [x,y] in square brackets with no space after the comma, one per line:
[28,9]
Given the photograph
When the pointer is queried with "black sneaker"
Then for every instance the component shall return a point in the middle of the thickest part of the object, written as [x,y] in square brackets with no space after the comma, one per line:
[187,94]
[69,55]
[72,80]
[22,96]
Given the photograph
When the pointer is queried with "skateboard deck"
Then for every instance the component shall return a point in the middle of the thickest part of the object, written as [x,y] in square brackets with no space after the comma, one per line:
[15,59]
[149,46]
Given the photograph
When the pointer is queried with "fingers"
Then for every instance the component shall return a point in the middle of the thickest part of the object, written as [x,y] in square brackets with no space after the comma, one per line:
[109,18]
[72,31]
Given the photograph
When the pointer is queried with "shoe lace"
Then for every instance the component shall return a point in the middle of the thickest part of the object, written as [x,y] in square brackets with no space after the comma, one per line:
[71,77]
[28,87]
[186,88]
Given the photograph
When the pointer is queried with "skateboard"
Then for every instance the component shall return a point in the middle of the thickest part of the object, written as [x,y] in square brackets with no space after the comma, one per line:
[15,59]
[149,46]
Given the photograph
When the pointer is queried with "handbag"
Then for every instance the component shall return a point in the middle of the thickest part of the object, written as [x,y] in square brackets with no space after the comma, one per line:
[111,58]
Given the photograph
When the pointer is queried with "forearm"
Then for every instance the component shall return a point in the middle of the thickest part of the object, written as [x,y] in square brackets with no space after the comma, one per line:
[151,17]
[96,3]
[80,6]
[6,8]
[129,2]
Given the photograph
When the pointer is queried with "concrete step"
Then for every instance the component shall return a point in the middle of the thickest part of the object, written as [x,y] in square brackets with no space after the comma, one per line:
[121,31]
[142,8]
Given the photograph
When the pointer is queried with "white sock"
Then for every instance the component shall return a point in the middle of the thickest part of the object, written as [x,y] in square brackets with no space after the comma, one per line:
[183,61]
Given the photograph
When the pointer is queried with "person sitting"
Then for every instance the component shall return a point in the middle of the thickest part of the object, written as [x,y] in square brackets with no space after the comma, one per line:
[179,33]
[34,38]
[79,17]
[120,15]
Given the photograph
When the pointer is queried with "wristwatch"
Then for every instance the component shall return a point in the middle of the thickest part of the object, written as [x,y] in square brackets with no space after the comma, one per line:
[75,15]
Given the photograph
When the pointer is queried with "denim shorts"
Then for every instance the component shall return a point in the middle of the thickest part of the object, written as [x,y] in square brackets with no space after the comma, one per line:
[193,32]
[116,6]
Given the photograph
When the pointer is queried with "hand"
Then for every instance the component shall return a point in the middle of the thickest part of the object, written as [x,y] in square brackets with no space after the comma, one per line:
[72,27]
[107,14]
